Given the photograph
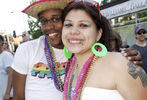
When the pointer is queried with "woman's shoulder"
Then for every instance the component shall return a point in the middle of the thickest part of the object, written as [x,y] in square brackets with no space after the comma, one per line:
[116,58]
[115,61]
[114,55]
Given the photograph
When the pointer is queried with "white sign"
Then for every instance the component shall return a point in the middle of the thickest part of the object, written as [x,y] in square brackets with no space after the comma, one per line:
[124,8]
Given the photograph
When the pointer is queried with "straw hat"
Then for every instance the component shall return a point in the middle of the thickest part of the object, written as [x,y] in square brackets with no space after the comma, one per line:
[41,5]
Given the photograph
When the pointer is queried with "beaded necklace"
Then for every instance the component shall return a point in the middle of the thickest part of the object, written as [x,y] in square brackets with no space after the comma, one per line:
[50,57]
[80,82]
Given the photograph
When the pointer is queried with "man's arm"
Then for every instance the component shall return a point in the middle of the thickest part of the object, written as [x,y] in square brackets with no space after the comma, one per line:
[9,84]
[19,81]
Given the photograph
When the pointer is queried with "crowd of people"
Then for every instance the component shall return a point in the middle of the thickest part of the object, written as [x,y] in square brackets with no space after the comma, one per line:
[77,58]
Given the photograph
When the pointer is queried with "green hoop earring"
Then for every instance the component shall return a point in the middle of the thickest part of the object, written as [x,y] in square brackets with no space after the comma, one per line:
[101,53]
[67,54]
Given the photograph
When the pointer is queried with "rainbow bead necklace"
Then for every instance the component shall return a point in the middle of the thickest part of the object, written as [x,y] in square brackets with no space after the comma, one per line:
[50,57]
[80,82]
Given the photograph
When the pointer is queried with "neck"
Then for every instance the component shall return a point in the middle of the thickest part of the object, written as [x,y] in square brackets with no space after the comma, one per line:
[57,46]
[141,43]
[60,46]
[82,57]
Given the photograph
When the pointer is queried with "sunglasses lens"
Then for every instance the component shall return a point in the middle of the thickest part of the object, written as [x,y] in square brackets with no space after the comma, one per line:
[139,33]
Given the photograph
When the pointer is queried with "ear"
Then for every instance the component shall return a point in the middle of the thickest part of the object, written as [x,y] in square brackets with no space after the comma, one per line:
[100,31]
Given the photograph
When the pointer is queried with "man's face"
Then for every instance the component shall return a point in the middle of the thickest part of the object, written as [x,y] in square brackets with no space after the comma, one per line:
[140,36]
[51,26]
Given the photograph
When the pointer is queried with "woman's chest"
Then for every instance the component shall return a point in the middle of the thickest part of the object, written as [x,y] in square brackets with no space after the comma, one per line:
[98,77]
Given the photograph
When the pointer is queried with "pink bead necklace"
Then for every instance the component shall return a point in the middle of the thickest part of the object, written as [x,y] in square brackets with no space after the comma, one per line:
[67,95]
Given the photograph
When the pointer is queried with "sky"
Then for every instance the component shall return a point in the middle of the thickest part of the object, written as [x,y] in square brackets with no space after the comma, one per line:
[12,18]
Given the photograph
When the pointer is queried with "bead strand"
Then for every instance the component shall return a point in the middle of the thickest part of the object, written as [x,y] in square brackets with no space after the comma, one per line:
[52,65]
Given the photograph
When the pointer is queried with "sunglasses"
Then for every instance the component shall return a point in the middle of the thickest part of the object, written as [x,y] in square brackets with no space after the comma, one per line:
[89,3]
[141,32]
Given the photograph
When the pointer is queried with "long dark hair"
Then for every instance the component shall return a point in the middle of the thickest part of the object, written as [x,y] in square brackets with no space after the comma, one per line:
[99,20]
[115,36]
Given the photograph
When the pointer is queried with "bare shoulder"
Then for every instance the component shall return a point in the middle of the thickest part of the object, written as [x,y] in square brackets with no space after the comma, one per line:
[118,63]
[126,68]
[117,60]
[129,78]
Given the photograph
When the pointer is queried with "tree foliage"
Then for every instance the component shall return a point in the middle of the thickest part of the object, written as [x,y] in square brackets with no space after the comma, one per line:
[139,15]
[34,28]
[104,2]
[142,14]
[132,19]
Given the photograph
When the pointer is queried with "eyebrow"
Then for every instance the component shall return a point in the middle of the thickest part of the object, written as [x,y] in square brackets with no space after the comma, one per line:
[79,21]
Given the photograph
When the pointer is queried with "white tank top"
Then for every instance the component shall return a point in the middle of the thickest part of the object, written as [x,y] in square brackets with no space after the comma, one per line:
[90,93]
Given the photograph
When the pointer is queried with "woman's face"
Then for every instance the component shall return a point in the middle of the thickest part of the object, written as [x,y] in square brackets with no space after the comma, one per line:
[79,31]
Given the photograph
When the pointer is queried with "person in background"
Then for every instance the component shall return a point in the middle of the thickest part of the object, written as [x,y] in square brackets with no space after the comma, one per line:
[94,73]
[6,59]
[115,41]
[141,44]
[124,44]
[25,38]
[39,65]
[6,48]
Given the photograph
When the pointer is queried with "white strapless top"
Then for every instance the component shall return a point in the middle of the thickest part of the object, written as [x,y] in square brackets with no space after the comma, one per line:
[90,93]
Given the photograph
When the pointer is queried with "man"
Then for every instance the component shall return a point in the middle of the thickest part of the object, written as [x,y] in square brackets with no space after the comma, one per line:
[25,38]
[33,79]
[6,59]
[34,66]
[125,44]
[141,44]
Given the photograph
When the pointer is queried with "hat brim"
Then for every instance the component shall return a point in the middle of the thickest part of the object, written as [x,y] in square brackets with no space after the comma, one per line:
[35,8]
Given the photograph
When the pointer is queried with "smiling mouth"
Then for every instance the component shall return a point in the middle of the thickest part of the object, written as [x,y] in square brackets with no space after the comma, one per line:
[75,41]
[52,35]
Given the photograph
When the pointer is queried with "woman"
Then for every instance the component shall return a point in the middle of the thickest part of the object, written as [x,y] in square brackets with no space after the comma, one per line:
[94,74]
[115,41]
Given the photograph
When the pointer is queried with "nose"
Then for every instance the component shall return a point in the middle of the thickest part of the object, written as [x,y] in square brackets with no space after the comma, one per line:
[50,25]
[75,31]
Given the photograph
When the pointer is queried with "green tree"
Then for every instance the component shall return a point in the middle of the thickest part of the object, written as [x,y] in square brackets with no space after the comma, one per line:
[127,18]
[104,2]
[142,15]
[130,19]
[34,28]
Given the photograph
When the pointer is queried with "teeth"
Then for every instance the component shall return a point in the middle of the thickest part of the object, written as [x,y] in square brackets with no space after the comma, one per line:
[52,34]
[71,41]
